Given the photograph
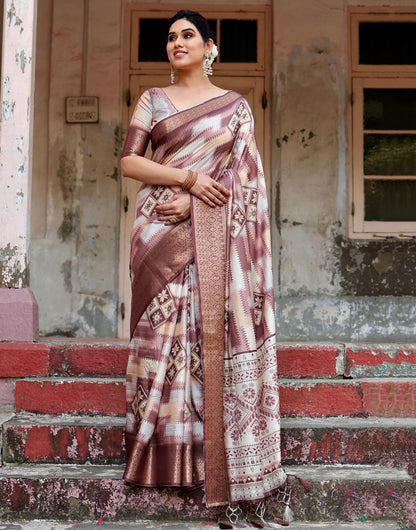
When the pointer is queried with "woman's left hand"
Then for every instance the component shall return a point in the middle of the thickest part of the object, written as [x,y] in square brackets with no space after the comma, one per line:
[175,210]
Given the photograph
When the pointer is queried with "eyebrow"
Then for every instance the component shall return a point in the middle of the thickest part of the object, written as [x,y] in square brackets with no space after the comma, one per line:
[186,29]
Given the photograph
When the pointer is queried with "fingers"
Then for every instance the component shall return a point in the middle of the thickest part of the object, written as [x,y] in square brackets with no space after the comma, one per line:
[210,191]
[222,190]
[175,210]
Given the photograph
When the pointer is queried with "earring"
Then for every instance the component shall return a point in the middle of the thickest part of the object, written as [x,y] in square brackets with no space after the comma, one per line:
[206,66]
[172,75]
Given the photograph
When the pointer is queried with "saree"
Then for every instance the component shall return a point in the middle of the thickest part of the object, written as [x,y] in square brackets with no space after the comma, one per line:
[202,388]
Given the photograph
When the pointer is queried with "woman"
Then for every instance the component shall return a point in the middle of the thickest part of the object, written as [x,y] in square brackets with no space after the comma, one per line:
[202,392]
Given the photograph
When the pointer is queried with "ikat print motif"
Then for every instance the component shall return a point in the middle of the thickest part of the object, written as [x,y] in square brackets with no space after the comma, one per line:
[249,214]
[258,307]
[176,361]
[250,196]
[139,403]
[240,116]
[158,195]
[196,367]
[161,308]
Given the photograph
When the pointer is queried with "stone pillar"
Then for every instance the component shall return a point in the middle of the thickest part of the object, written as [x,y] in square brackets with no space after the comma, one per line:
[18,309]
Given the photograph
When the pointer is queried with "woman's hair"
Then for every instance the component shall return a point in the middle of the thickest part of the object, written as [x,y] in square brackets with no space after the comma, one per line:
[200,22]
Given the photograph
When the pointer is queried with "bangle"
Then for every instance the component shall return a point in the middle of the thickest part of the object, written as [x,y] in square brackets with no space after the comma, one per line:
[190,180]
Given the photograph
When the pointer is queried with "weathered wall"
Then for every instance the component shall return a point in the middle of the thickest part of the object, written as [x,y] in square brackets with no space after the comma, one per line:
[18,20]
[76,192]
[329,286]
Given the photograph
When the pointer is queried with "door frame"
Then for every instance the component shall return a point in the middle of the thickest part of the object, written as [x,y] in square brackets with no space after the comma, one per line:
[132,68]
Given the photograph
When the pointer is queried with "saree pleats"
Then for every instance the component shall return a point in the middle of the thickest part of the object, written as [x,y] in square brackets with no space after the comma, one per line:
[202,387]
[164,389]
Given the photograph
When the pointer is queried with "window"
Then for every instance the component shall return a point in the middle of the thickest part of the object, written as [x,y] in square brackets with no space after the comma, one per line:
[383,154]
[238,35]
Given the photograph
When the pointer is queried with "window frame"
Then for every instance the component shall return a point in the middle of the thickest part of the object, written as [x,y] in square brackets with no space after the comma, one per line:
[372,76]
[218,12]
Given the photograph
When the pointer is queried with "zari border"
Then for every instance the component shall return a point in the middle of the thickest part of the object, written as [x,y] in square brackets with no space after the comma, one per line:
[158,267]
[209,231]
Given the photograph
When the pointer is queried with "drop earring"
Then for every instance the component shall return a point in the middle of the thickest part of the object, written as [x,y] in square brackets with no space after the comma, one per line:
[172,75]
[206,65]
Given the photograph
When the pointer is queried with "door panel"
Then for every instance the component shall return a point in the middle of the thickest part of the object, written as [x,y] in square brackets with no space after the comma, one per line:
[252,89]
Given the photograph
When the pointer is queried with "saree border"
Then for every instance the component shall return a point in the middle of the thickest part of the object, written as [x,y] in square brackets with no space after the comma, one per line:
[175,121]
[165,260]
[209,232]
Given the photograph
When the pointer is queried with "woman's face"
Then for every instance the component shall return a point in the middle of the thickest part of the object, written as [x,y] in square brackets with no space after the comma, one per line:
[186,48]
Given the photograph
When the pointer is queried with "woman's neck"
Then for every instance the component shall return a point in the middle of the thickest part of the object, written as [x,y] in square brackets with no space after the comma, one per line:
[193,79]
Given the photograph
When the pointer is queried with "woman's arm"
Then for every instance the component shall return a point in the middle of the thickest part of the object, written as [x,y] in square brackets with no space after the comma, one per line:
[150,172]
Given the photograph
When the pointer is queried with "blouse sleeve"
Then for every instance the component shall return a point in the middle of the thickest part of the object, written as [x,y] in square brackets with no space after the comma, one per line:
[139,130]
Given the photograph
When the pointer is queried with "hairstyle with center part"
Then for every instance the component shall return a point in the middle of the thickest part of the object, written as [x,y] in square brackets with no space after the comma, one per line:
[200,22]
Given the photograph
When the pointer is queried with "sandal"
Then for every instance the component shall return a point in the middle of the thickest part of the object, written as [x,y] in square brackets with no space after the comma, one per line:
[230,519]
[257,519]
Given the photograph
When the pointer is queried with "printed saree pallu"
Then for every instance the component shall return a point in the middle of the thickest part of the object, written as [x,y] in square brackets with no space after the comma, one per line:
[202,389]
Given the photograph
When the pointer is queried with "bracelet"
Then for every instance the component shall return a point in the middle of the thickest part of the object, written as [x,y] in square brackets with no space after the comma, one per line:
[190,180]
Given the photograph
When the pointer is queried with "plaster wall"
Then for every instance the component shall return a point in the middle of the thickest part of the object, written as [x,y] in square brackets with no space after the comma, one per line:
[74,246]
[329,286]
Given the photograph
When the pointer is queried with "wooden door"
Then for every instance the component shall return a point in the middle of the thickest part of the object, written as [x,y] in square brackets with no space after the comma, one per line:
[252,88]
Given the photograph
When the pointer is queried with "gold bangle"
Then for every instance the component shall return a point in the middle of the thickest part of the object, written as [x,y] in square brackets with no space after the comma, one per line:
[195,178]
[190,180]
[186,181]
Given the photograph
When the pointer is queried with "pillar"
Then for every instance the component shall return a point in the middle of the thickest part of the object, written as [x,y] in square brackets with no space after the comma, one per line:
[18,309]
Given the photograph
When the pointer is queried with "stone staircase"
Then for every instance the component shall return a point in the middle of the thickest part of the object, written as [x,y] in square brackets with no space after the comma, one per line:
[348,427]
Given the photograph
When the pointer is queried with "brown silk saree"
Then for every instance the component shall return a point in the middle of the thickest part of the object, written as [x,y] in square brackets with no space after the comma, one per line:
[202,389]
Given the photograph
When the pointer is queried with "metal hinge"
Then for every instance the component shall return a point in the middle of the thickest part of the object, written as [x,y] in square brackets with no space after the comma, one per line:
[352,209]
[128,97]
[126,203]
[123,310]
[264,101]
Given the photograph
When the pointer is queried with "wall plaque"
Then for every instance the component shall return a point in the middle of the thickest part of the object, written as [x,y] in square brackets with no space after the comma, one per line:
[81,109]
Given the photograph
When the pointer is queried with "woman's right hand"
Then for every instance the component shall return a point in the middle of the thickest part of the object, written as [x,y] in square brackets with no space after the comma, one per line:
[210,191]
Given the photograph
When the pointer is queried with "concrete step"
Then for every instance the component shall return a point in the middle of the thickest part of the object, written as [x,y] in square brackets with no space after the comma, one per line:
[55,395]
[383,397]
[381,441]
[95,357]
[87,358]
[183,525]
[63,439]
[88,492]
[380,360]
[68,439]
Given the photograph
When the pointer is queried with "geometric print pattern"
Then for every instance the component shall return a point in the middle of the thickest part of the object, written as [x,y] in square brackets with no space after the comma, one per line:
[161,308]
[196,366]
[139,403]
[250,196]
[240,216]
[248,386]
[158,196]
[258,307]
[240,116]
[177,359]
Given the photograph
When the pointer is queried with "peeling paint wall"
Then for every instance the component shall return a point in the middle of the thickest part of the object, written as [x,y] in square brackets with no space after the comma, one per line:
[74,246]
[329,286]
[17,62]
